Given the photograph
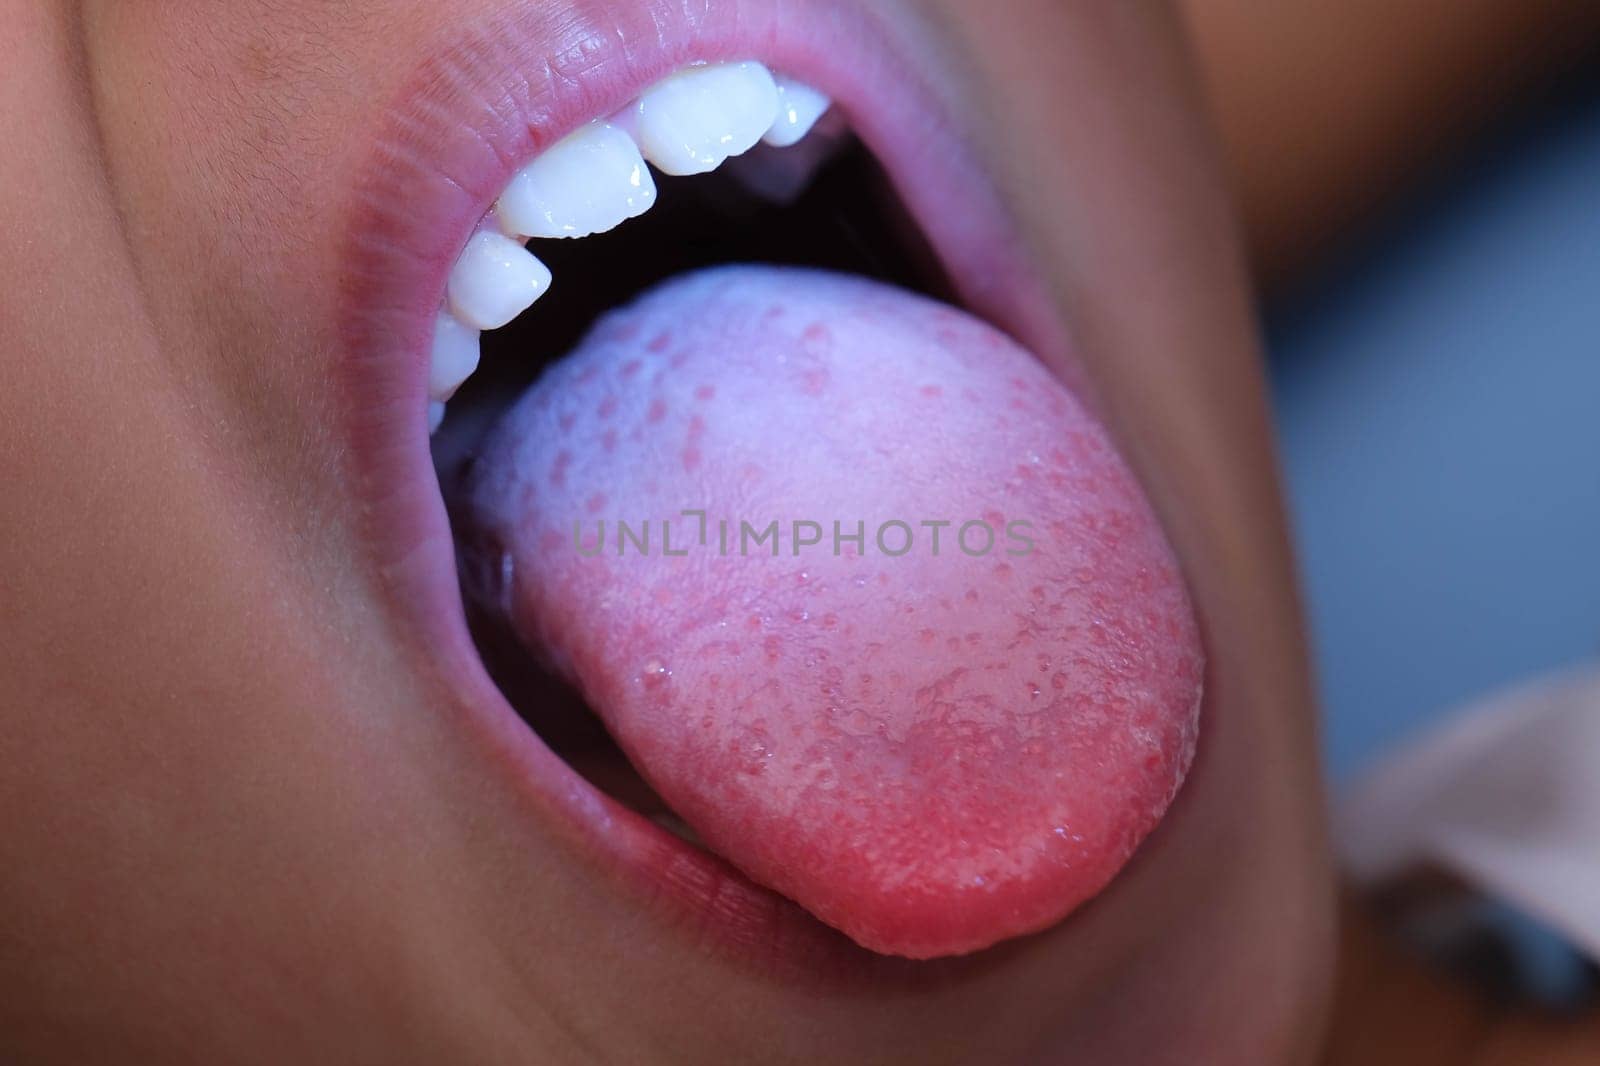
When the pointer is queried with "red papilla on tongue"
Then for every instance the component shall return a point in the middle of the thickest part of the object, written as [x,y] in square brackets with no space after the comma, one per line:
[929,750]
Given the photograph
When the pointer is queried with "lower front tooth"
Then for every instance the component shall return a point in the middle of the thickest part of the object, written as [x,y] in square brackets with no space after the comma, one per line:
[695,119]
[495,280]
[588,182]
[454,357]
[799,108]
[435,416]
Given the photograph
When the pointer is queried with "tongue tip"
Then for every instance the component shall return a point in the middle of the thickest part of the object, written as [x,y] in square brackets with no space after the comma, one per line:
[957,923]
[921,896]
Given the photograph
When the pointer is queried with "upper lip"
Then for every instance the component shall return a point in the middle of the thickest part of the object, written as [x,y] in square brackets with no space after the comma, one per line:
[469,115]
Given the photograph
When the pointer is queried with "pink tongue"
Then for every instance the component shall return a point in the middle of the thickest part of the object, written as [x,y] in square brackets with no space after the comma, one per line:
[929,748]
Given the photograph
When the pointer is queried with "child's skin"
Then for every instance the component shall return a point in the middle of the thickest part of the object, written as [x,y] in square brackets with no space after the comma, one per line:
[241,820]
[1328,107]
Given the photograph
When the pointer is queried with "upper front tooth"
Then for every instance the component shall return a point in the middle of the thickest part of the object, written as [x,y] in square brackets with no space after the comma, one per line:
[588,182]
[495,280]
[799,108]
[695,119]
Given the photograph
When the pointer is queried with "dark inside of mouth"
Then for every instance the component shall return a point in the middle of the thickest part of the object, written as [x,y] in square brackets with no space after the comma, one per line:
[847,220]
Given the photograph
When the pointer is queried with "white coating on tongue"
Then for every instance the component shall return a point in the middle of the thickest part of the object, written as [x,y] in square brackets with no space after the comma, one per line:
[929,751]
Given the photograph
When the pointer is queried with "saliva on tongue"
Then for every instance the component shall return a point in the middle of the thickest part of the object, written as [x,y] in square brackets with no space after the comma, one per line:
[861,590]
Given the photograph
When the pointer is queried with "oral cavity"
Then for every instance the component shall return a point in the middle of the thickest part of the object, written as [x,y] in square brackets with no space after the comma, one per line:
[892,627]
[595,179]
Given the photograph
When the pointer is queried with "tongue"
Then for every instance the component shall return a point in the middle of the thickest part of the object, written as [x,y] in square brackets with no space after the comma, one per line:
[944,698]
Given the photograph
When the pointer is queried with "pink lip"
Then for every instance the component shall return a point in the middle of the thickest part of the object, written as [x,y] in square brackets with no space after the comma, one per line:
[471,114]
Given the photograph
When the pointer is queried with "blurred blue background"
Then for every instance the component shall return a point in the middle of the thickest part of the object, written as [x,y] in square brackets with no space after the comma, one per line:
[1438,400]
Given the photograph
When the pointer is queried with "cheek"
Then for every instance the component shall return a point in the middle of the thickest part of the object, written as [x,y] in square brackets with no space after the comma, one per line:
[244,111]
[232,136]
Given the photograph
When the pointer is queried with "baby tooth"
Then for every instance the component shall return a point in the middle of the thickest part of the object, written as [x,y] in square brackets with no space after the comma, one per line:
[588,182]
[799,107]
[495,280]
[455,356]
[695,119]
[435,416]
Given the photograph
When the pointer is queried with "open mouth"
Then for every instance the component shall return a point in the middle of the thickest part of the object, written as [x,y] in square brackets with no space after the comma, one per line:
[972,744]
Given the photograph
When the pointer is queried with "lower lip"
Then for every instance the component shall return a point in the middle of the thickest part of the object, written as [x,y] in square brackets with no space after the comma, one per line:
[398,259]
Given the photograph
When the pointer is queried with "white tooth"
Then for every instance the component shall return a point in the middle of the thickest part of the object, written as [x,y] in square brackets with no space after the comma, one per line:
[695,119]
[435,416]
[455,356]
[799,107]
[495,280]
[588,182]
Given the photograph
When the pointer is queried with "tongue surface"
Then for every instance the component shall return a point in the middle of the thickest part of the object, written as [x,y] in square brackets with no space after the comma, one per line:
[930,746]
